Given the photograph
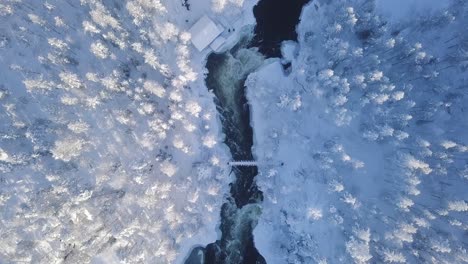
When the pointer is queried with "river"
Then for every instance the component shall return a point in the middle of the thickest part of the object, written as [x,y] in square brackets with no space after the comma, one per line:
[227,72]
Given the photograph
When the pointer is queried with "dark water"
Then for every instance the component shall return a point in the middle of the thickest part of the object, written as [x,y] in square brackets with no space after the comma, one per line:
[227,72]
[276,22]
[235,118]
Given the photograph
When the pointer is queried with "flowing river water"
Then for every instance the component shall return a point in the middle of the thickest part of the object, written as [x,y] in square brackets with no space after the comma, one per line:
[227,72]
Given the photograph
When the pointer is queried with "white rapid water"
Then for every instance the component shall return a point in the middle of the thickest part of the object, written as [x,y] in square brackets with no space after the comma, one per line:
[232,73]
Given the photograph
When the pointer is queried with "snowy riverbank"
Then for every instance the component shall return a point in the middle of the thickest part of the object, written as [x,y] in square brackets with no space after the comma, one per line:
[370,126]
[110,142]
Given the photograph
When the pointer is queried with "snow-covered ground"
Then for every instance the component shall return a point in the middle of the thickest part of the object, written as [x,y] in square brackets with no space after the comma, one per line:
[109,140]
[371,126]
[398,10]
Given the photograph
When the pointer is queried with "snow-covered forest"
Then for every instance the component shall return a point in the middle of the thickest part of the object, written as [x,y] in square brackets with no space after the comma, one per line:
[371,124]
[112,148]
[109,139]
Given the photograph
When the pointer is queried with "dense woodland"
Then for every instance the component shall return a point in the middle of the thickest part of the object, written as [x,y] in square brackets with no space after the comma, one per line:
[372,122]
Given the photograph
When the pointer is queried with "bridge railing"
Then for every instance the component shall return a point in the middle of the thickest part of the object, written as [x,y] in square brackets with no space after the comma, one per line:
[248,163]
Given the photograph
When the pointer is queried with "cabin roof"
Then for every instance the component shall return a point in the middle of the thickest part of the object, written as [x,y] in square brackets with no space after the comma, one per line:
[203,32]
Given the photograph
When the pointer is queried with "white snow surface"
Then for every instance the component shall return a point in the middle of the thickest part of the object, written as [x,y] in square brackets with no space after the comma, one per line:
[406,9]
[109,139]
[371,126]
[203,32]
